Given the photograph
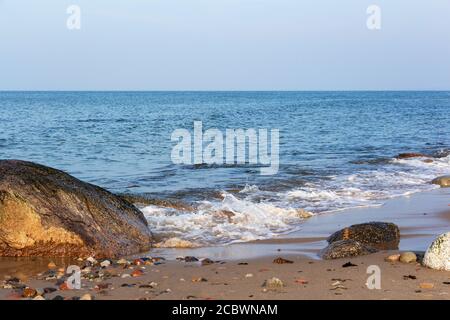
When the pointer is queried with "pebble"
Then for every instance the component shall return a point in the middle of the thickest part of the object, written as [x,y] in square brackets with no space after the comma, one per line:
[200,279]
[123,261]
[349,264]
[282,261]
[39,298]
[408,257]
[426,285]
[273,284]
[190,259]
[249,275]
[301,281]
[138,262]
[86,296]
[51,265]
[29,292]
[105,263]
[393,258]
[64,286]
[137,273]
[49,290]
[91,260]
[207,261]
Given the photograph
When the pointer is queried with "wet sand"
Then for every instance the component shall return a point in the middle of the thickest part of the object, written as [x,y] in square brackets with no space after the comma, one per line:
[239,270]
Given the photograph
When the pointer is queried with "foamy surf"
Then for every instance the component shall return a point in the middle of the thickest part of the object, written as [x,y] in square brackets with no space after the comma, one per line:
[230,220]
[243,216]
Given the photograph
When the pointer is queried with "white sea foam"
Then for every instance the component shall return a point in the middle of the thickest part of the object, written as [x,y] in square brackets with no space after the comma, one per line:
[241,218]
[223,222]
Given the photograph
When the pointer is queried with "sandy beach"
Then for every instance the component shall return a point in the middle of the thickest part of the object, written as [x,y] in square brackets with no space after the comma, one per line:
[239,271]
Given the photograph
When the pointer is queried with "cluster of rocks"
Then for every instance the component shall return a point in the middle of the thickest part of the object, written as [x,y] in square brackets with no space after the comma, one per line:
[362,239]
[94,276]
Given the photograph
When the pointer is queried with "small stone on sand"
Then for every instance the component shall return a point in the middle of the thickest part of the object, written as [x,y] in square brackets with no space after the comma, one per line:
[408,257]
[273,284]
[86,296]
[393,258]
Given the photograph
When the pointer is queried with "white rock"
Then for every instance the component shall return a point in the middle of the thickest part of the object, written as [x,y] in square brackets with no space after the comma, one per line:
[105,263]
[438,254]
[123,261]
[91,260]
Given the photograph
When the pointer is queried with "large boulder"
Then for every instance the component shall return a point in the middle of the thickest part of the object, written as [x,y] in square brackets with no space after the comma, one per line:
[46,212]
[378,235]
[437,255]
[443,181]
[344,249]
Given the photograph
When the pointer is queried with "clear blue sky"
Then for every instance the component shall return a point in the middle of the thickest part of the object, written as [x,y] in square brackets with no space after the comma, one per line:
[224,45]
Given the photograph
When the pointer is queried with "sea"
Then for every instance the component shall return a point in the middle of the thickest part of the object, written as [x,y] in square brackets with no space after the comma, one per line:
[337,150]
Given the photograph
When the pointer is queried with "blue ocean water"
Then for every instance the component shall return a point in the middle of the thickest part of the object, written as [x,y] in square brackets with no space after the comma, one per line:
[336,151]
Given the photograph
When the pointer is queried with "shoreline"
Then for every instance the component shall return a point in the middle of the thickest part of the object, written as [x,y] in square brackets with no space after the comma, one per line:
[421,217]
[238,271]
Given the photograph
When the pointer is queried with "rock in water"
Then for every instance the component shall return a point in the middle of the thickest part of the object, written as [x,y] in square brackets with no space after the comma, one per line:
[46,212]
[345,249]
[411,155]
[379,235]
[443,181]
[437,255]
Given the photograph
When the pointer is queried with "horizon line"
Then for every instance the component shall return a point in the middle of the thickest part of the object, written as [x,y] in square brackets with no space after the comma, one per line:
[231,90]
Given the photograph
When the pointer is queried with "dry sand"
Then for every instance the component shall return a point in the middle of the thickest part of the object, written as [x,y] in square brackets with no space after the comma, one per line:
[303,279]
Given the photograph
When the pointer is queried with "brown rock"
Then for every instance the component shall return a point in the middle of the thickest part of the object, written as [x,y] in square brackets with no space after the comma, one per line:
[393,258]
[29,292]
[426,285]
[137,273]
[46,212]
[443,181]
[410,155]
[282,261]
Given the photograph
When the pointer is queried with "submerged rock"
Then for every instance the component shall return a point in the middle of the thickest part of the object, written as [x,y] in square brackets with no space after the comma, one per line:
[437,255]
[142,200]
[410,155]
[344,249]
[378,235]
[46,212]
[443,181]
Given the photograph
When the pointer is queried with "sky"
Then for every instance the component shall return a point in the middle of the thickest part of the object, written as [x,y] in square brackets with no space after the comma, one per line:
[224,45]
